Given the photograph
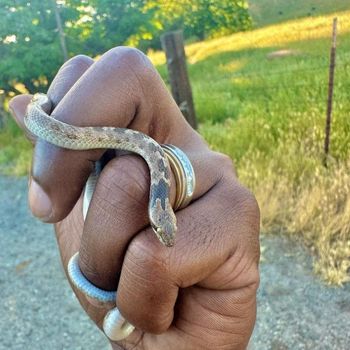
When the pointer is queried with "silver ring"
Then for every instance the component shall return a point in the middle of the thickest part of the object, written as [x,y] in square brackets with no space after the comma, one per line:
[187,172]
[115,326]
[85,286]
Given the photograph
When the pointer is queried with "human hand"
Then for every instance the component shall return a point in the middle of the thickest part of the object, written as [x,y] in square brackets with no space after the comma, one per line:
[199,294]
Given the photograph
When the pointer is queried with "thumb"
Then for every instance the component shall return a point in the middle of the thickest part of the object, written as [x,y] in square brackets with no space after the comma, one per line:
[66,77]
[18,106]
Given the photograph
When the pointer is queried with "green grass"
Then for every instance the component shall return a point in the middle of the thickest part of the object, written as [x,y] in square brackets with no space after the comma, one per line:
[15,150]
[268,114]
[265,12]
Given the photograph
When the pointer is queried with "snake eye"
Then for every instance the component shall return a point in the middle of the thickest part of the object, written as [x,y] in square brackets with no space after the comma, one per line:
[154,227]
[157,230]
[163,236]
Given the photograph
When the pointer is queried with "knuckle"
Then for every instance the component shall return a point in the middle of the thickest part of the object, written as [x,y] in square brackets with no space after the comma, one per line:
[250,206]
[151,254]
[67,76]
[149,257]
[79,61]
[129,56]
[250,202]
[136,70]
[224,159]
[245,206]
[225,163]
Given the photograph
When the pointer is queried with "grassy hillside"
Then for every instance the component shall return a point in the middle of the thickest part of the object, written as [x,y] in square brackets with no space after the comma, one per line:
[266,12]
[261,98]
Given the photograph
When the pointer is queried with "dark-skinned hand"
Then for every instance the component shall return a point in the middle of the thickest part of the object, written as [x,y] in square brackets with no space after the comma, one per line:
[199,294]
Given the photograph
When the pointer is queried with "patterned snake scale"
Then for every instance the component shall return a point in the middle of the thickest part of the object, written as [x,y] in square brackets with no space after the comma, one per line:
[161,214]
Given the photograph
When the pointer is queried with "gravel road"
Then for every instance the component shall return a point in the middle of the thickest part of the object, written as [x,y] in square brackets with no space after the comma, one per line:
[39,311]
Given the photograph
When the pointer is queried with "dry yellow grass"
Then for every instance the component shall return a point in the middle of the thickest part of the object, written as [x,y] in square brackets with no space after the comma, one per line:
[274,35]
[317,210]
[297,195]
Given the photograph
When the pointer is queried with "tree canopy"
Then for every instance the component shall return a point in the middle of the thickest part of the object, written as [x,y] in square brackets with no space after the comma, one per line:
[30,33]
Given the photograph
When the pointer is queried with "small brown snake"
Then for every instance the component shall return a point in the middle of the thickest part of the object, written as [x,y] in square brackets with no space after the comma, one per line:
[161,214]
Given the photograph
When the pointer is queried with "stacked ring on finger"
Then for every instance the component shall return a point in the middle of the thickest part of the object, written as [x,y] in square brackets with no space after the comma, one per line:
[184,175]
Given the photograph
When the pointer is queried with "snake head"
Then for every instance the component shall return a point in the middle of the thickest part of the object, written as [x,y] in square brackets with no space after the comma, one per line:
[166,233]
[163,222]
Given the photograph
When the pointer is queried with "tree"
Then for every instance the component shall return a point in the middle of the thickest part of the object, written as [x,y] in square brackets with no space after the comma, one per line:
[199,19]
[29,47]
[211,18]
[33,38]
[110,23]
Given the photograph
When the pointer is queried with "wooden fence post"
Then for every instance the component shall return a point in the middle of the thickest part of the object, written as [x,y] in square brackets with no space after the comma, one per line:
[173,45]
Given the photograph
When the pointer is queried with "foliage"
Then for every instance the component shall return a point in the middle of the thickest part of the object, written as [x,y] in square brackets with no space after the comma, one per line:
[210,18]
[203,18]
[29,50]
[109,23]
[30,45]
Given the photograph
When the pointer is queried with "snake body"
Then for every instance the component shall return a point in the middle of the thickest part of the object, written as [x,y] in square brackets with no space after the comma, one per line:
[161,214]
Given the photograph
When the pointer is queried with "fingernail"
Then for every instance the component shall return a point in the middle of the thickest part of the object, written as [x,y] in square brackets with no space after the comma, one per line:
[115,326]
[39,202]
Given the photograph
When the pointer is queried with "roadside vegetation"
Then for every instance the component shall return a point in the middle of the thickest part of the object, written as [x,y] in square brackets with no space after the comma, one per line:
[261,98]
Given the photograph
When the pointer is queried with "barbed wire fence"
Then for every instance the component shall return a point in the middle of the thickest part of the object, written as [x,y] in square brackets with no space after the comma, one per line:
[323,67]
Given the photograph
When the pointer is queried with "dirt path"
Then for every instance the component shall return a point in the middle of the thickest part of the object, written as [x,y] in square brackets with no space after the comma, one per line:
[39,311]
